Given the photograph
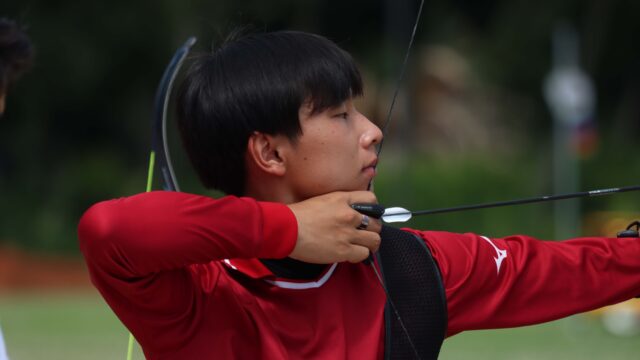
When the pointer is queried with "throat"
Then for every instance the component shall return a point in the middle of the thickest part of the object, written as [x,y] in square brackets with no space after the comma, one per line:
[289,268]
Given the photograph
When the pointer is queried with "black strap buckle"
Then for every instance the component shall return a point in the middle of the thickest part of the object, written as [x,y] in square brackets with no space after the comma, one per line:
[631,231]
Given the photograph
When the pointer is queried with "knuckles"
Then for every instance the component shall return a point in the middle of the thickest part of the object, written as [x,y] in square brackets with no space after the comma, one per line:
[343,251]
[349,216]
[376,242]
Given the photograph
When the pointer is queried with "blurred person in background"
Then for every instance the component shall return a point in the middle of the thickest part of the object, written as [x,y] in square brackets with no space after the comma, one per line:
[16,56]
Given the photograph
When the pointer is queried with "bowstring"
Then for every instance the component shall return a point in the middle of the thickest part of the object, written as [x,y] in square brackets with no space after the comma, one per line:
[369,187]
[400,78]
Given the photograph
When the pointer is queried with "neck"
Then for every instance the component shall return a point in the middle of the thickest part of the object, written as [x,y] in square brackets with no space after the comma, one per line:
[293,269]
[271,195]
[274,190]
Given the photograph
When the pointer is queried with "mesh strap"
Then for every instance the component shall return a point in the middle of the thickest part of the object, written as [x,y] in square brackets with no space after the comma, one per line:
[414,284]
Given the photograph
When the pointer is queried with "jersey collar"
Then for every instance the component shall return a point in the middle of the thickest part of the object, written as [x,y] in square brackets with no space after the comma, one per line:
[256,270]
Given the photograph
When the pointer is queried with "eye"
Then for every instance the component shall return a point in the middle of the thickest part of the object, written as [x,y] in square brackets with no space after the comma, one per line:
[343,115]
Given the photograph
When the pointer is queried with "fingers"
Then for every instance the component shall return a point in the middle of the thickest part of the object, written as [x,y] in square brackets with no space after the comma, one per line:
[368,223]
[367,239]
[366,197]
[328,228]
[375,225]
[364,222]
[358,254]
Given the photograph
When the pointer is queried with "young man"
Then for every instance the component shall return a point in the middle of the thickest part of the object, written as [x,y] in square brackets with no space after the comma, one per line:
[277,273]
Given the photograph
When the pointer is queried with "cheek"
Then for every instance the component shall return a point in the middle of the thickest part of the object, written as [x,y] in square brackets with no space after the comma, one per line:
[317,145]
[323,149]
[332,150]
[331,163]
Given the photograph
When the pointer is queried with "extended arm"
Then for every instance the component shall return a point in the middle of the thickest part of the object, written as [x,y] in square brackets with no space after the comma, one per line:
[518,280]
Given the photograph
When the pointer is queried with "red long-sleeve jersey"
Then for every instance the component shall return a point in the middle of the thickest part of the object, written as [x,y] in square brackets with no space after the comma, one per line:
[181,273]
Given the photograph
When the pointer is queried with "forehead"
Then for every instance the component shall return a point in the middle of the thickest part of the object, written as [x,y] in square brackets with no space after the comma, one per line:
[309,108]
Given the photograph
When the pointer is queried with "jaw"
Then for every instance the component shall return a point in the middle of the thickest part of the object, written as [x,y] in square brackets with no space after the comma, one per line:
[296,186]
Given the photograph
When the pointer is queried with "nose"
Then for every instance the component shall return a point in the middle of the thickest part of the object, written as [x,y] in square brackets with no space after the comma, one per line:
[371,135]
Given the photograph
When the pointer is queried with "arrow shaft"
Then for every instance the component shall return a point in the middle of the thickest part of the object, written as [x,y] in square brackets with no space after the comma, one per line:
[581,194]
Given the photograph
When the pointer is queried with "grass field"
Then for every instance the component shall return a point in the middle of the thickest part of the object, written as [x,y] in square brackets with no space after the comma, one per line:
[79,325]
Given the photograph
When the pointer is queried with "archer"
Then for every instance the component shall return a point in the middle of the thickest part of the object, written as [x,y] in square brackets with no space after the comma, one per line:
[274,270]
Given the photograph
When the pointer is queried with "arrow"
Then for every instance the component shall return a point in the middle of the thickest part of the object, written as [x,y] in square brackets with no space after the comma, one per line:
[398,214]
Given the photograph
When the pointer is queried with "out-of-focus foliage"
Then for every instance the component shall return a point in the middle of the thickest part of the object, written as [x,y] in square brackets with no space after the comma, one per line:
[77,126]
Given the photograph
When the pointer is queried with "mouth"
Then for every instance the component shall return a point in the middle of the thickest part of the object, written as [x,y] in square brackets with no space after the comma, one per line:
[370,168]
[373,163]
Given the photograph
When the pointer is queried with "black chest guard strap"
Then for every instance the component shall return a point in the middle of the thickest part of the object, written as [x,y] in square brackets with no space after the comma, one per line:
[414,284]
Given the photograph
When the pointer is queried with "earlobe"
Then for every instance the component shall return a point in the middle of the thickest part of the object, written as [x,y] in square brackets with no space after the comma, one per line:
[264,152]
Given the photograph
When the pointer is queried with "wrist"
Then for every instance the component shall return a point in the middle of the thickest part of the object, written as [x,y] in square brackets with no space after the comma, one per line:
[279,230]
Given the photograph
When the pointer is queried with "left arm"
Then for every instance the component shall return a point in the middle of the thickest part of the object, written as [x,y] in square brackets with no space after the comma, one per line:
[519,280]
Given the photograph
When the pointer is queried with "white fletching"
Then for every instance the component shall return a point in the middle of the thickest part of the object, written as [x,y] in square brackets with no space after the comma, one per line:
[396,214]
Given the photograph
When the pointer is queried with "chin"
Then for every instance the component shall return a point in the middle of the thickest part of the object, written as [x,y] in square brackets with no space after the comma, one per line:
[365,187]
[362,185]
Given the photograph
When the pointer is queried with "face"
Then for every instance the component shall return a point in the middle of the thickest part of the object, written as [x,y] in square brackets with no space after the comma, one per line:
[336,152]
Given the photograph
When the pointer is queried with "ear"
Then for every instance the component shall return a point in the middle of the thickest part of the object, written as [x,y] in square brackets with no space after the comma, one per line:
[265,152]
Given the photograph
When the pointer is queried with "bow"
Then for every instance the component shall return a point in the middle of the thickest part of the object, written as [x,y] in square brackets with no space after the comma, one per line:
[159,143]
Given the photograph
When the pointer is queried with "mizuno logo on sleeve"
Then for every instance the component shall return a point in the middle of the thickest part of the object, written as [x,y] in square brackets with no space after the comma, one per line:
[502,254]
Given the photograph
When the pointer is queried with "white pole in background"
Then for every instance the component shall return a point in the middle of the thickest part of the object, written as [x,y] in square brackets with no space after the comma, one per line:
[3,350]
[570,95]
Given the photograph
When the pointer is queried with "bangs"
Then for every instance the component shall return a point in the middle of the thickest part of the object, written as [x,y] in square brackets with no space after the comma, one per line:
[309,68]
[332,83]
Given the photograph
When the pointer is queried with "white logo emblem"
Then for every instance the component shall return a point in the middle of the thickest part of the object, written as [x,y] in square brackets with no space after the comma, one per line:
[502,254]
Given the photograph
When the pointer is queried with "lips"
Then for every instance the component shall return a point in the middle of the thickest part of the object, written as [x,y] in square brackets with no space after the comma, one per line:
[372,164]
[370,168]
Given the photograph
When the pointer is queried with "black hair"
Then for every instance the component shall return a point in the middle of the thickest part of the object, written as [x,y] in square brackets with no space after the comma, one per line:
[257,82]
[16,52]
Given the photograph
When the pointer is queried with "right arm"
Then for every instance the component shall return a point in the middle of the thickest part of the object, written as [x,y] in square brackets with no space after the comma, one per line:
[151,232]
[140,249]
[141,253]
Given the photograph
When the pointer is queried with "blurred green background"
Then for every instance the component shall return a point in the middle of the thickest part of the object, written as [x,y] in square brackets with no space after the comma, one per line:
[471,125]
[77,325]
